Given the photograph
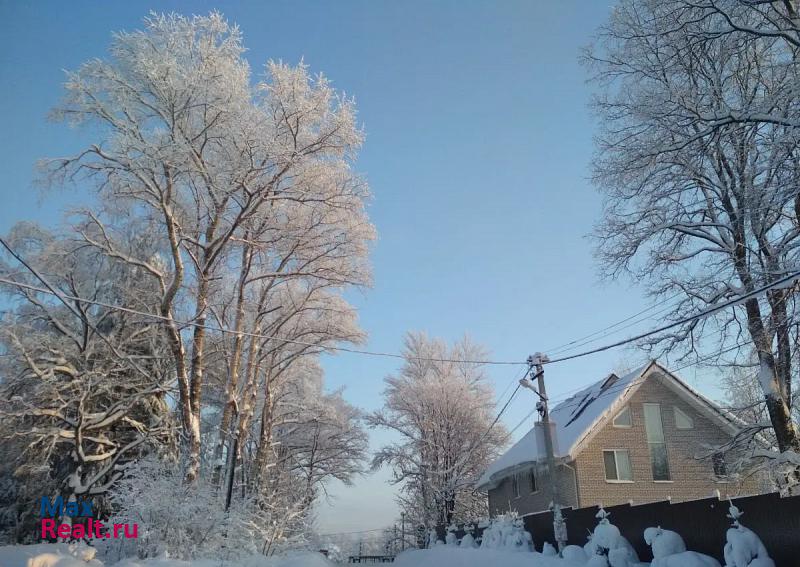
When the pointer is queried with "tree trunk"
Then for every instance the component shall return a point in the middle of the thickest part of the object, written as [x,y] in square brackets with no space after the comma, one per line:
[233,379]
[780,416]
[265,434]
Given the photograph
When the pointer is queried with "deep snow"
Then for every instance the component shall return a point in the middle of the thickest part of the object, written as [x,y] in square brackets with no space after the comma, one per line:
[63,555]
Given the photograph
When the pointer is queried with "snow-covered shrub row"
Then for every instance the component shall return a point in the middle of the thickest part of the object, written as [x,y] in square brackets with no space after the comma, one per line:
[608,548]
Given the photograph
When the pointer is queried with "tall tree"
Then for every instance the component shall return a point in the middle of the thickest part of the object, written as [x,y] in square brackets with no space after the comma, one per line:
[700,207]
[442,412]
[210,163]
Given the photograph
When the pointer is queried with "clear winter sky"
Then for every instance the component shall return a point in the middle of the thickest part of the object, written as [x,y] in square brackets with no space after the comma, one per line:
[478,143]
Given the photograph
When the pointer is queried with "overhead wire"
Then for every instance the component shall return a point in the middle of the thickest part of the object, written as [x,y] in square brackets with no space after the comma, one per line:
[218,329]
[697,316]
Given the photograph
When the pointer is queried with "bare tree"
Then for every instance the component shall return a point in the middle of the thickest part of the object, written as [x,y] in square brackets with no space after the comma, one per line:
[703,209]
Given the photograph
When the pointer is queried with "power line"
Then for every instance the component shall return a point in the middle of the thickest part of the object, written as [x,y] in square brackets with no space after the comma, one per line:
[502,410]
[614,389]
[255,335]
[696,317]
[566,346]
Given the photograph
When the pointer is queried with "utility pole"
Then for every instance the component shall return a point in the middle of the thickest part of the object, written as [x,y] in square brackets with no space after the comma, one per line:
[536,363]
[403,530]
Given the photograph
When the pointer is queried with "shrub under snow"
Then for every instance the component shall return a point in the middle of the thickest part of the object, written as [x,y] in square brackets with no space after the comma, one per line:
[186,521]
[607,541]
[744,548]
[507,532]
[669,550]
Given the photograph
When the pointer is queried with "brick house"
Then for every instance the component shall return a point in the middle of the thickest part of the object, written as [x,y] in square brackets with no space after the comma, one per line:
[631,438]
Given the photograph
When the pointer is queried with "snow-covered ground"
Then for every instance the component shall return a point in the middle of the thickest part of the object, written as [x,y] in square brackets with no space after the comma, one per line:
[63,555]
[504,543]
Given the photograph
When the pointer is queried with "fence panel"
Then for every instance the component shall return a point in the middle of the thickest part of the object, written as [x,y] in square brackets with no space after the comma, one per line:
[701,523]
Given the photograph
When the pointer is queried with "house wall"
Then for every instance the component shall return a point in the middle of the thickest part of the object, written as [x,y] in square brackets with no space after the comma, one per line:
[690,478]
[502,498]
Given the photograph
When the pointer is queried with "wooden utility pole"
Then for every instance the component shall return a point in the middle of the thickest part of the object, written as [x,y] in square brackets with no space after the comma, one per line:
[536,363]
[403,530]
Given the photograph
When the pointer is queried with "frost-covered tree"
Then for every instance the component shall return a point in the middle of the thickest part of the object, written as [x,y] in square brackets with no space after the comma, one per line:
[217,168]
[701,198]
[442,412]
[82,386]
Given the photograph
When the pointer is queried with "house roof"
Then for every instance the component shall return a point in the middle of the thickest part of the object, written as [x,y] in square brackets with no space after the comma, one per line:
[578,417]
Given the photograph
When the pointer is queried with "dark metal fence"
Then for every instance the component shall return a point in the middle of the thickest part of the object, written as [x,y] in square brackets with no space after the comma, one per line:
[701,523]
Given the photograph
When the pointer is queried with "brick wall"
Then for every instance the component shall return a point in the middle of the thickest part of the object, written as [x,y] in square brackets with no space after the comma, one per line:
[502,498]
[689,478]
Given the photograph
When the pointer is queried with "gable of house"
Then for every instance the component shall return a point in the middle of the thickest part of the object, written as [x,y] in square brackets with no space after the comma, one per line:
[662,464]
[573,418]
[587,438]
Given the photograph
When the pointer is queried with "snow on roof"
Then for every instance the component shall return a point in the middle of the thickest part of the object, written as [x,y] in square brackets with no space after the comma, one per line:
[573,418]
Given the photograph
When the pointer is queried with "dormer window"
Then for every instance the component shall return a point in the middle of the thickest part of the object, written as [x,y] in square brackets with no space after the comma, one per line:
[608,382]
[623,418]
[682,421]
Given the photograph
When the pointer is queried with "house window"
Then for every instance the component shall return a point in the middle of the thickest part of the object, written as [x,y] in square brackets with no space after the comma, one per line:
[720,468]
[623,418]
[655,439]
[618,465]
[532,481]
[515,485]
[683,421]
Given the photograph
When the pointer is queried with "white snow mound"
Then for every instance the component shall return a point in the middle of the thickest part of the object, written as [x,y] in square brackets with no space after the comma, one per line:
[48,555]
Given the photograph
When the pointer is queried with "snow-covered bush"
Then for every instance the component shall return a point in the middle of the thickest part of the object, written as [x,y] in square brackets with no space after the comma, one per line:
[468,541]
[187,521]
[451,539]
[606,539]
[663,542]
[669,550]
[507,532]
[744,548]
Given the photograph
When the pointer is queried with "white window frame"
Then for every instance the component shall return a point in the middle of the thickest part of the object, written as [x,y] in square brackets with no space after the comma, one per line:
[679,412]
[623,426]
[616,466]
[652,441]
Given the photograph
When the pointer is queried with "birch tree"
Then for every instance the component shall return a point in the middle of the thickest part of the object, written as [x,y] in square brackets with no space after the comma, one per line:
[701,207]
[206,157]
[442,412]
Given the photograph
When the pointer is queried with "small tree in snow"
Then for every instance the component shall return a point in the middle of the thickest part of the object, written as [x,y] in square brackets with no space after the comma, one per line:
[442,411]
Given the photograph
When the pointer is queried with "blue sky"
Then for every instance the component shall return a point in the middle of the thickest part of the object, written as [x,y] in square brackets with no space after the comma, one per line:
[479,139]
